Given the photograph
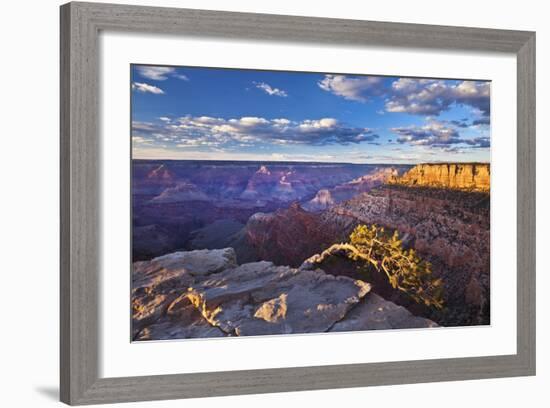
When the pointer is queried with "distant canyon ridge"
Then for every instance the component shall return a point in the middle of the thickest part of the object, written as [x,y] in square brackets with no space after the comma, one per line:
[270,215]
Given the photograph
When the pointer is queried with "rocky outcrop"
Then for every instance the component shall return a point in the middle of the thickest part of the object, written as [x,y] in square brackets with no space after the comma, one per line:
[379,314]
[260,298]
[448,227]
[182,192]
[180,266]
[161,175]
[205,294]
[462,176]
[326,198]
[284,184]
[322,200]
[156,283]
[287,236]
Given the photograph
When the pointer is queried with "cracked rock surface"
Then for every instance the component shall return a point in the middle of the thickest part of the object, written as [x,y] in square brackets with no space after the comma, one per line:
[204,293]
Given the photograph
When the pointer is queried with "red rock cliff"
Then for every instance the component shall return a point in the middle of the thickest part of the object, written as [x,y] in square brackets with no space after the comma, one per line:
[462,176]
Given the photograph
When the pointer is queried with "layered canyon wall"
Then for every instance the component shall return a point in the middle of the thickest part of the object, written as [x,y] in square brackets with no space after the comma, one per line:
[463,176]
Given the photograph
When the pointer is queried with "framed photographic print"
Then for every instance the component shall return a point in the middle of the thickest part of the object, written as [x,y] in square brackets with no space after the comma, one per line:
[239,183]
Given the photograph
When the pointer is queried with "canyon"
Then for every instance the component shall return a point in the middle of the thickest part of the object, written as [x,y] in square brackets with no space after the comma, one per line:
[218,247]
[180,204]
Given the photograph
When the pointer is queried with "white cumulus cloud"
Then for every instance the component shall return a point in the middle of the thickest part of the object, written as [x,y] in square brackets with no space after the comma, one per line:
[251,130]
[433,96]
[155,73]
[146,88]
[268,89]
[359,89]
[160,73]
[439,135]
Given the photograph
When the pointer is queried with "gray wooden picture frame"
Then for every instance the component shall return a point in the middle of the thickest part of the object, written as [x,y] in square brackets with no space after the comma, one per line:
[81,24]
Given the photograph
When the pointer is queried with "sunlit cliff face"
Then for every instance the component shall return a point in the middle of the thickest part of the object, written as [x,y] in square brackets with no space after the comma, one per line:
[474,177]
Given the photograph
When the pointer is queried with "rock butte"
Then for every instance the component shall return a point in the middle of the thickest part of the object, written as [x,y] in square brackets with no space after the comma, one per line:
[206,294]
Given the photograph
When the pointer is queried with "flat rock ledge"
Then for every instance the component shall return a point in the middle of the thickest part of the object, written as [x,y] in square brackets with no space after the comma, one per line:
[204,294]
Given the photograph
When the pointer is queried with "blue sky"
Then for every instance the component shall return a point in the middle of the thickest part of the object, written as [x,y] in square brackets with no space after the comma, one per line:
[231,114]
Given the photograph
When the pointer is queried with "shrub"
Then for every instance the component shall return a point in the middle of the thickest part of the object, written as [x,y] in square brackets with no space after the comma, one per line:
[383,252]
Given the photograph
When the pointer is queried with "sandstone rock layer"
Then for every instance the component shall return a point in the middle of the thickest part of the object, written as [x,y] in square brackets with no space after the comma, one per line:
[463,176]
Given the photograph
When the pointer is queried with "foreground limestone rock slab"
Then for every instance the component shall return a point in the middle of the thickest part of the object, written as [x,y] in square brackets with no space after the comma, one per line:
[169,329]
[147,308]
[156,283]
[204,294]
[375,313]
[180,268]
[260,298]
[181,321]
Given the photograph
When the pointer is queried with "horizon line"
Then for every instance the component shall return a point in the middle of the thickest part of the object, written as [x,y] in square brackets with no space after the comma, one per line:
[308,161]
